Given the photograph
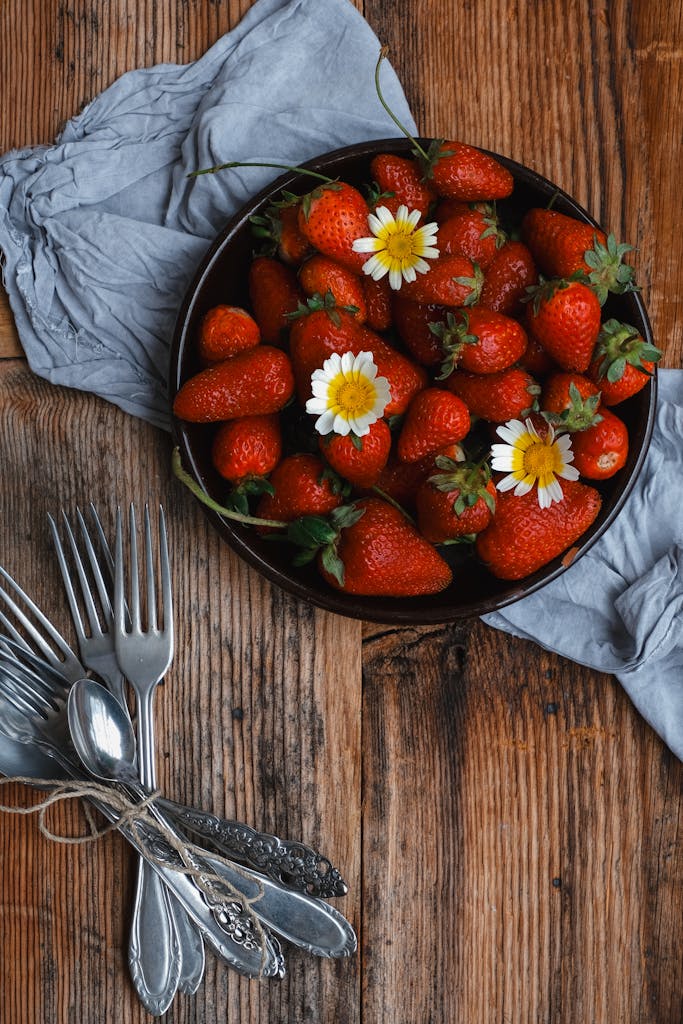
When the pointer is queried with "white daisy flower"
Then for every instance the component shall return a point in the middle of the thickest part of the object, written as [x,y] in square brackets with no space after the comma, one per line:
[531,460]
[348,396]
[400,249]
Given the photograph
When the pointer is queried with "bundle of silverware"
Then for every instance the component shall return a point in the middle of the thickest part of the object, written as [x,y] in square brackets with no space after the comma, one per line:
[66,716]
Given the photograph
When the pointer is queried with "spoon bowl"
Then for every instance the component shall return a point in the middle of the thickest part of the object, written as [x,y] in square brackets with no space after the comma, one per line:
[102,733]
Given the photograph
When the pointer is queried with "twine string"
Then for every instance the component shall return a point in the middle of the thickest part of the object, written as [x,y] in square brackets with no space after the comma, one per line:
[139,818]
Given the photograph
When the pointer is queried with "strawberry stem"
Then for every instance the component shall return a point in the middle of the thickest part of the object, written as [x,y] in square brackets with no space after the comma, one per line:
[282,167]
[228,513]
[382,54]
[392,501]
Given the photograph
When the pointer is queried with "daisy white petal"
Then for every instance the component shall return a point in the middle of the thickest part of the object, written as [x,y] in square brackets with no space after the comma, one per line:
[384,216]
[569,472]
[347,394]
[507,483]
[533,460]
[395,278]
[367,245]
[325,423]
[400,248]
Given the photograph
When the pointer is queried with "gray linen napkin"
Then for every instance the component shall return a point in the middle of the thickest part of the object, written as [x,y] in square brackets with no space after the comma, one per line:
[620,608]
[102,232]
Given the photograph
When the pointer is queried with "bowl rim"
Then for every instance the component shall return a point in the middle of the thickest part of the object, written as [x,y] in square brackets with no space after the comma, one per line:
[384,609]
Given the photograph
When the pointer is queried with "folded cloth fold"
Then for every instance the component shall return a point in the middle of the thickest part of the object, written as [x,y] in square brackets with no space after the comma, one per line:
[619,609]
[102,232]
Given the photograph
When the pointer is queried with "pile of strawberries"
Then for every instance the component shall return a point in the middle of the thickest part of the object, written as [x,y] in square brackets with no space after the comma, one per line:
[502,326]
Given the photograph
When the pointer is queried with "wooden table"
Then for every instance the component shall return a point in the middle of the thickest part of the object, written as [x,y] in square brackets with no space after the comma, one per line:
[509,826]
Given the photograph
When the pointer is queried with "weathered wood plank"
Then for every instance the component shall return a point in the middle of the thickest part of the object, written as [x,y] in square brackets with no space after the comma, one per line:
[517,855]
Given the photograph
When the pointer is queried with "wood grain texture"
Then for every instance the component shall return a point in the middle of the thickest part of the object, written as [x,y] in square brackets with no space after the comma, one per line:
[510,828]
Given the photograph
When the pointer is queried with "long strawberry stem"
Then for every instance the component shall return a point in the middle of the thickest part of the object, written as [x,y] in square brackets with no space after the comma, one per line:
[282,167]
[382,54]
[228,513]
[392,501]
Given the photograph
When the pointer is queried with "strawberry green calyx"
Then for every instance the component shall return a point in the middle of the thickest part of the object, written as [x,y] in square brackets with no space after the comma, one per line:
[325,303]
[453,335]
[619,345]
[375,195]
[538,294]
[429,158]
[493,228]
[222,510]
[238,498]
[267,228]
[475,284]
[608,273]
[314,535]
[469,479]
[581,414]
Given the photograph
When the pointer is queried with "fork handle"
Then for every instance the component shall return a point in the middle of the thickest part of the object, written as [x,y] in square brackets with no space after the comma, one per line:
[165,919]
[154,951]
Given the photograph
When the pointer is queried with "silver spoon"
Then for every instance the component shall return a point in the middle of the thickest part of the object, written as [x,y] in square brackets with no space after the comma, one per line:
[104,740]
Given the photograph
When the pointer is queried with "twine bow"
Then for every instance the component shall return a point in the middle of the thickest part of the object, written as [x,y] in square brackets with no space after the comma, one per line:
[138,817]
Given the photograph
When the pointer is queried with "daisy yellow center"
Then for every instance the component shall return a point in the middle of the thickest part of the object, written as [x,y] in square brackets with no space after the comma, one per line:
[541,459]
[352,397]
[400,245]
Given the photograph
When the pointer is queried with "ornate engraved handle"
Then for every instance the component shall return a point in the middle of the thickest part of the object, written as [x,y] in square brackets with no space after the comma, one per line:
[292,864]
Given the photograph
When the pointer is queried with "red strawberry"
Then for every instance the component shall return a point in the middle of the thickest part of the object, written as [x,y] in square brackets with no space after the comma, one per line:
[321,275]
[225,331]
[448,208]
[360,460]
[450,281]
[622,362]
[480,341]
[496,397]
[302,486]
[571,400]
[402,177]
[279,230]
[457,501]
[473,233]
[535,359]
[247,447]
[274,293]
[317,331]
[435,418]
[256,382]
[459,171]
[412,321]
[332,217]
[405,378]
[563,245]
[507,278]
[602,449]
[564,317]
[378,302]
[380,554]
[522,537]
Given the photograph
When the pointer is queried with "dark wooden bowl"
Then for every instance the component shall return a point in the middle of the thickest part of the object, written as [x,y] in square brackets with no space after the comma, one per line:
[222,278]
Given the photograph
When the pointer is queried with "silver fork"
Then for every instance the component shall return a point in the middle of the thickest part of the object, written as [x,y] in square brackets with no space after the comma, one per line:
[33,711]
[291,863]
[165,952]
